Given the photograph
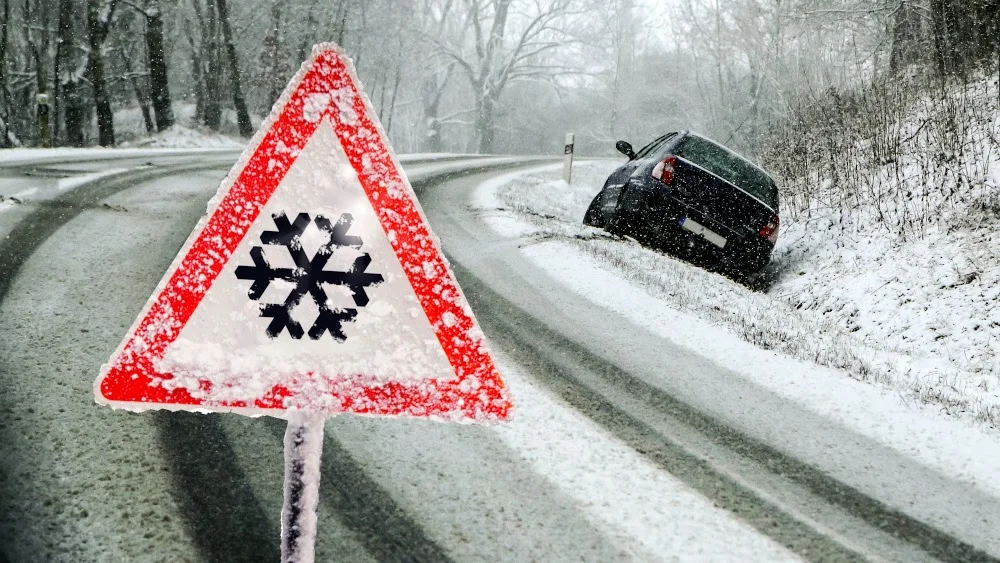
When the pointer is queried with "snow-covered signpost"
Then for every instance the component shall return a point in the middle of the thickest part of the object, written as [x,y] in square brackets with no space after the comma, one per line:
[568,159]
[312,287]
[303,450]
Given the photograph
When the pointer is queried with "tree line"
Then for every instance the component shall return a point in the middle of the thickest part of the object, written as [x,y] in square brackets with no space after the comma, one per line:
[435,69]
[471,75]
[85,58]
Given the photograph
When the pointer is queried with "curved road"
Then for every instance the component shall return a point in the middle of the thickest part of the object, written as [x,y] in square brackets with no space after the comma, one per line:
[82,483]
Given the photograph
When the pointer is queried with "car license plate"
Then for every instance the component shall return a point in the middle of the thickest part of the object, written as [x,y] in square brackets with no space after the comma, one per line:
[713,237]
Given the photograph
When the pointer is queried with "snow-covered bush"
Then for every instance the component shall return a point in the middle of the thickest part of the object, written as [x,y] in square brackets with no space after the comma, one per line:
[904,154]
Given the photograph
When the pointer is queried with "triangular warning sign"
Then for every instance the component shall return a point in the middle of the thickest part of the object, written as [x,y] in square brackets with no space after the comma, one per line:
[313,284]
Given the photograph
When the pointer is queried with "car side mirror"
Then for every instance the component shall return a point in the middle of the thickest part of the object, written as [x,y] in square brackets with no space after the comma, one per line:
[625,148]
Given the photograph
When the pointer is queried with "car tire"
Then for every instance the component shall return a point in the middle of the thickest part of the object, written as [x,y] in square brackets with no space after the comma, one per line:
[594,217]
[623,223]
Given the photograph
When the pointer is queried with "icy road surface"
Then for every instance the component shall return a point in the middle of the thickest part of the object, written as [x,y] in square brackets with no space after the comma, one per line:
[599,464]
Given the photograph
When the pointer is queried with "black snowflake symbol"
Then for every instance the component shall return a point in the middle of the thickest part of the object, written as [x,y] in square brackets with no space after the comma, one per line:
[308,276]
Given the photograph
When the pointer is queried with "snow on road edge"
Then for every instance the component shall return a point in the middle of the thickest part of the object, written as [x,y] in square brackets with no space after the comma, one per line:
[916,430]
[969,454]
[619,489]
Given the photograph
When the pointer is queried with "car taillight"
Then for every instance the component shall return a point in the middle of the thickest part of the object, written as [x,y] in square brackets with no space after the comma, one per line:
[664,170]
[770,230]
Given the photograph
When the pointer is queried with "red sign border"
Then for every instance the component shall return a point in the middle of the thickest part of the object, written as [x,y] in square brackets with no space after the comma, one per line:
[131,381]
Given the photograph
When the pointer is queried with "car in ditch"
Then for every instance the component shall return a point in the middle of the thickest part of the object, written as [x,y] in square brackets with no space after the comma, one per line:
[694,198]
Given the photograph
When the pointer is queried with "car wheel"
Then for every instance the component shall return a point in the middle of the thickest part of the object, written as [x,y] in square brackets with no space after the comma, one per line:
[594,217]
[631,224]
[623,224]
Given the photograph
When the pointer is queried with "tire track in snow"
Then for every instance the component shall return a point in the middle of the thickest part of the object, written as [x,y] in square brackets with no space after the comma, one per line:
[586,381]
[52,214]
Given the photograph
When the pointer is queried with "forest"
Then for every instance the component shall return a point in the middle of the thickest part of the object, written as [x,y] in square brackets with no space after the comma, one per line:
[489,76]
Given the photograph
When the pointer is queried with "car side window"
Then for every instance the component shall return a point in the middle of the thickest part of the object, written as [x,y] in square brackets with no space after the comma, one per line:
[654,146]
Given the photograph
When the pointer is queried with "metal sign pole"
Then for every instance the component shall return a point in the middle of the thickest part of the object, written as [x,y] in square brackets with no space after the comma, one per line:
[303,450]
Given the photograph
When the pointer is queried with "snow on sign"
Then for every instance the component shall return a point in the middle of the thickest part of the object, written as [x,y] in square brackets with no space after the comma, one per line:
[313,284]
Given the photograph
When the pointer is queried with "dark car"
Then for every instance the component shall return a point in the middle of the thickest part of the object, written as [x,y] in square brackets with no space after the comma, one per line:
[692,197]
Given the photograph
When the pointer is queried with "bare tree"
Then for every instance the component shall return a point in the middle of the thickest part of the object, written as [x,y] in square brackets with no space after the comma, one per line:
[273,56]
[622,27]
[158,81]
[907,36]
[68,76]
[159,87]
[98,21]
[501,53]
[141,91]
[436,71]
[210,63]
[7,138]
[242,116]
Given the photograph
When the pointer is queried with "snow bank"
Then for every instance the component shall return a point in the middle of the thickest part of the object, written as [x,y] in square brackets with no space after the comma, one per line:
[179,136]
[14,157]
[918,319]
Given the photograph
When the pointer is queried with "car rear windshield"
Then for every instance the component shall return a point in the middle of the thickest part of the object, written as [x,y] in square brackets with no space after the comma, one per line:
[731,168]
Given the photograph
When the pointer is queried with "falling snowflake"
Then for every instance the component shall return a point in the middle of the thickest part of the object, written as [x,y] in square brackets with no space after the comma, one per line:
[308,276]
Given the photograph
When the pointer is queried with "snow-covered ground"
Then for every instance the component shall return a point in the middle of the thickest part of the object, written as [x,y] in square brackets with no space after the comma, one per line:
[13,157]
[620,489]
[907,398]
[130,129]
[180,136]
[899,247]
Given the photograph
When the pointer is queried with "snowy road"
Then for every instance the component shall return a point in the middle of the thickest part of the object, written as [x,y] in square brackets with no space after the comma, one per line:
[607,459]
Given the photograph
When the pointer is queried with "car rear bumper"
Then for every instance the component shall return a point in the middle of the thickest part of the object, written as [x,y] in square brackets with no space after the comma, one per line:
[652,215]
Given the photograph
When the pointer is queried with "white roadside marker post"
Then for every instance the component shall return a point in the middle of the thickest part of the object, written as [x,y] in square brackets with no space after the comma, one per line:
[568,159]
[303,450]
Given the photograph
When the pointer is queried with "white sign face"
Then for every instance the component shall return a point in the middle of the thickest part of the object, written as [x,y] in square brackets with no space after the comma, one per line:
[389,338]
[314,283]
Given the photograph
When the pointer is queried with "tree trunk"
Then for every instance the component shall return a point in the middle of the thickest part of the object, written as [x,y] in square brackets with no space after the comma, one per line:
[143,98]
[74,114]
[158,87]
[5,141]
[199,81]
[197,62]
[275,74]
[488,86]
[141,95]
[485,114]
[55,101]
[432,139]
[69,87]
[242,116]
[198,76]
[964,34]
[97,30]
[35,48]
[432,106]
[392,99]
[905,38]
[213,62]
